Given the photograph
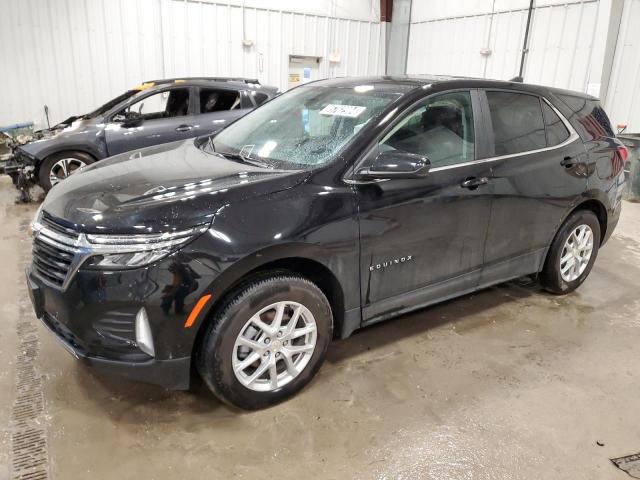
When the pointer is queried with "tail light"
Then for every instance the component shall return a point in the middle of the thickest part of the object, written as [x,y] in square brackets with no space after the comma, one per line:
[623,152]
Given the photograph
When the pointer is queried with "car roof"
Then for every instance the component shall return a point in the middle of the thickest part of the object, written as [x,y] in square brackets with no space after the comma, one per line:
[406,83]
[246,83]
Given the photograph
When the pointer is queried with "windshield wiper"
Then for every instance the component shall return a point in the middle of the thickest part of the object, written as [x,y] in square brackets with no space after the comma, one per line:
[243,159]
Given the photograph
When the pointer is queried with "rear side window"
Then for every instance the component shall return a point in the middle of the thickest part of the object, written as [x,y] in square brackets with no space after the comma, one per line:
[556,131]
[589,118]
[518,125]
[215,100]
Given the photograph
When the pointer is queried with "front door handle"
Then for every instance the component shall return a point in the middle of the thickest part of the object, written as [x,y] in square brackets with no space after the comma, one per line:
[568,162]
[184,128]
[474,182]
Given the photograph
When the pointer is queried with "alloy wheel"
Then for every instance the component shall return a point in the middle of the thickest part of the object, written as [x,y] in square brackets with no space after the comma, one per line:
[274,346]
[576,253]
[63,168]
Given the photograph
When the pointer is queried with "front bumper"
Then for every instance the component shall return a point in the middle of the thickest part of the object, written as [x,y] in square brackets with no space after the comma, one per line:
[171,374]
[94,318]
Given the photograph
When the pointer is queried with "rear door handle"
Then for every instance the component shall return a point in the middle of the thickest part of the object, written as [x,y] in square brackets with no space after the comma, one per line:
[568,162]
[184,128]
[474,182]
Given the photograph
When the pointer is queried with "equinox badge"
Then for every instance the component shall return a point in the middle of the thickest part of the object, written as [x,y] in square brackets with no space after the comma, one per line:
[388,263]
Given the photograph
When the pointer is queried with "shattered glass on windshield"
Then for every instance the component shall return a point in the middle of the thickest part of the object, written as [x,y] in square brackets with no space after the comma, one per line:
[303,128]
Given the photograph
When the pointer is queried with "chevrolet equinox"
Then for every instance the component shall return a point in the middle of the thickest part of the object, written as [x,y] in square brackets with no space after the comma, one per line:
[337,205]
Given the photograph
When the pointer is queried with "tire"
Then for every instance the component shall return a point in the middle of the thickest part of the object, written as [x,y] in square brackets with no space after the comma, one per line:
[53,162]
[557,276]
[221,353]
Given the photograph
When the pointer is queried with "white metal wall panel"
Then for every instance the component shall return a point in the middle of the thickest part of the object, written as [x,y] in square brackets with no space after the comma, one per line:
[560,45]
[623,99]
[73,55]
[448,38]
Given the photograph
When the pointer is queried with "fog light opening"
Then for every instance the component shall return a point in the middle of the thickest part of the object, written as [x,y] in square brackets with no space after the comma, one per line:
[143,333]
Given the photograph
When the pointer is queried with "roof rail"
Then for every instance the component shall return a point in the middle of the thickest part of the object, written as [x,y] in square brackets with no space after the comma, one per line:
[211,79]
[517,79]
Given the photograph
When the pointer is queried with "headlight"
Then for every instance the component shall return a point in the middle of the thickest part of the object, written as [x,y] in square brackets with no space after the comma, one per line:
[132,251]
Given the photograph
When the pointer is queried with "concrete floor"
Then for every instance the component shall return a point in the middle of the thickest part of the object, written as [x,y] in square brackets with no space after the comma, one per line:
[507,383]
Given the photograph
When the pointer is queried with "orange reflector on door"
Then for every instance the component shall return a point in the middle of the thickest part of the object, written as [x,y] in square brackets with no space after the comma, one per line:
[196,310]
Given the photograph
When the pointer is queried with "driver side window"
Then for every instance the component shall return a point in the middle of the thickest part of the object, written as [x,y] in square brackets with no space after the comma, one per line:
[441,129]
[167,104]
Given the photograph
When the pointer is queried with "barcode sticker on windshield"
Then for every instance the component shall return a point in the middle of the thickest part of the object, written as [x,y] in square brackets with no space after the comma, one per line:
[351,111]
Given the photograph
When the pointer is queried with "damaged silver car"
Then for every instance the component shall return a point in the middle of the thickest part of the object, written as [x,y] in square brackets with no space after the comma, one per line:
[153,113]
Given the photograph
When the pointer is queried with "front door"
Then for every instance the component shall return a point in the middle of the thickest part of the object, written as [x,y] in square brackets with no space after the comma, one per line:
[423,240]
[166,115]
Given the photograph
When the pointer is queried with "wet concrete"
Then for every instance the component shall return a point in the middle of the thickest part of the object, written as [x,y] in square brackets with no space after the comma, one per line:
[507,383]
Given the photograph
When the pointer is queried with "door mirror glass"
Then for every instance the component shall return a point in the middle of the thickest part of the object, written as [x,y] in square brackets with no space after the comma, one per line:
[396,164]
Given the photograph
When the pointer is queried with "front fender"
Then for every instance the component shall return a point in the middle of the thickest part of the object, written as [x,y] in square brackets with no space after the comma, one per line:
[90,142]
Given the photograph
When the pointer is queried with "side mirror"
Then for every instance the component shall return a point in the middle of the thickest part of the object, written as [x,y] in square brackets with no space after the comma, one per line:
[396,164]
[132,119]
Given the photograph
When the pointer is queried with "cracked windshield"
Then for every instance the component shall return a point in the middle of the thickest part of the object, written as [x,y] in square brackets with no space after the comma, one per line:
[303,128]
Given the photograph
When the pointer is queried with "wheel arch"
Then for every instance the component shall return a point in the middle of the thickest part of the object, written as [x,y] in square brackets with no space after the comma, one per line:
[600,211]
[304,266]
[591,204]
[80,149]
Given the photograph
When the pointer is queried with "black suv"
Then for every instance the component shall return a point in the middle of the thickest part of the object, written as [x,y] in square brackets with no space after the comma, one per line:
[158,111]
[339,204]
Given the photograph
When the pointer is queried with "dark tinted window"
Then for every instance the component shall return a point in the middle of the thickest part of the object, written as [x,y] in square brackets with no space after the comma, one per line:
[441,130]
[213,100]
[556,131]
[588,118]
[517,122]
[259,98]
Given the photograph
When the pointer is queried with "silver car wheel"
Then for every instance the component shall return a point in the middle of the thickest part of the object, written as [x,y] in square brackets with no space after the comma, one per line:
[63,168]
[274,346]
[576,253]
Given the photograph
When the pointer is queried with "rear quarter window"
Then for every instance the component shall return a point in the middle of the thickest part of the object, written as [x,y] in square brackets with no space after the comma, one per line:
[556,130]
[259,98]
[587,117]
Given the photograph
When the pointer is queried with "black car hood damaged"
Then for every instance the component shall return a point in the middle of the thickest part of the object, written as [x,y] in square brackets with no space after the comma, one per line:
[129,193]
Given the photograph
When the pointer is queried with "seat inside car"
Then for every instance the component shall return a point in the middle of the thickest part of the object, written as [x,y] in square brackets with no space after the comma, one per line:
[177,103]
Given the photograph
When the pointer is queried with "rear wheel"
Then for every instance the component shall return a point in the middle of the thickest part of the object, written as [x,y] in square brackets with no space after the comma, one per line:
[266,342]
[59,166]
[572,253]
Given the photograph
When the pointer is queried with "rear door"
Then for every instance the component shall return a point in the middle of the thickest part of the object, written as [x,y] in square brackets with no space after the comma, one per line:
[167,117]
[538,174]
[217,107]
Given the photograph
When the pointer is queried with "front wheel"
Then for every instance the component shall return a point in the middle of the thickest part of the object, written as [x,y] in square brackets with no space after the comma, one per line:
[59,166]
[572,253]
[266,342]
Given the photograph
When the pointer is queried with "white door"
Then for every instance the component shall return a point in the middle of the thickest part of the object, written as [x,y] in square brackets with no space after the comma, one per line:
[303,70]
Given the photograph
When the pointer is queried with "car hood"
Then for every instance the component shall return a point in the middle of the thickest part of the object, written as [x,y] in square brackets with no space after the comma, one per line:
[170,186]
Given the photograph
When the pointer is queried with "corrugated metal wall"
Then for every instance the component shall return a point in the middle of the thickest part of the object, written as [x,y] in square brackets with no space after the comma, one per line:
[623,99]
[448,39]
[74,55]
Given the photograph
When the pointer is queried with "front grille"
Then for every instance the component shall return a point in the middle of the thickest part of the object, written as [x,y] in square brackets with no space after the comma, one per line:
[54,251]
[50,262]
